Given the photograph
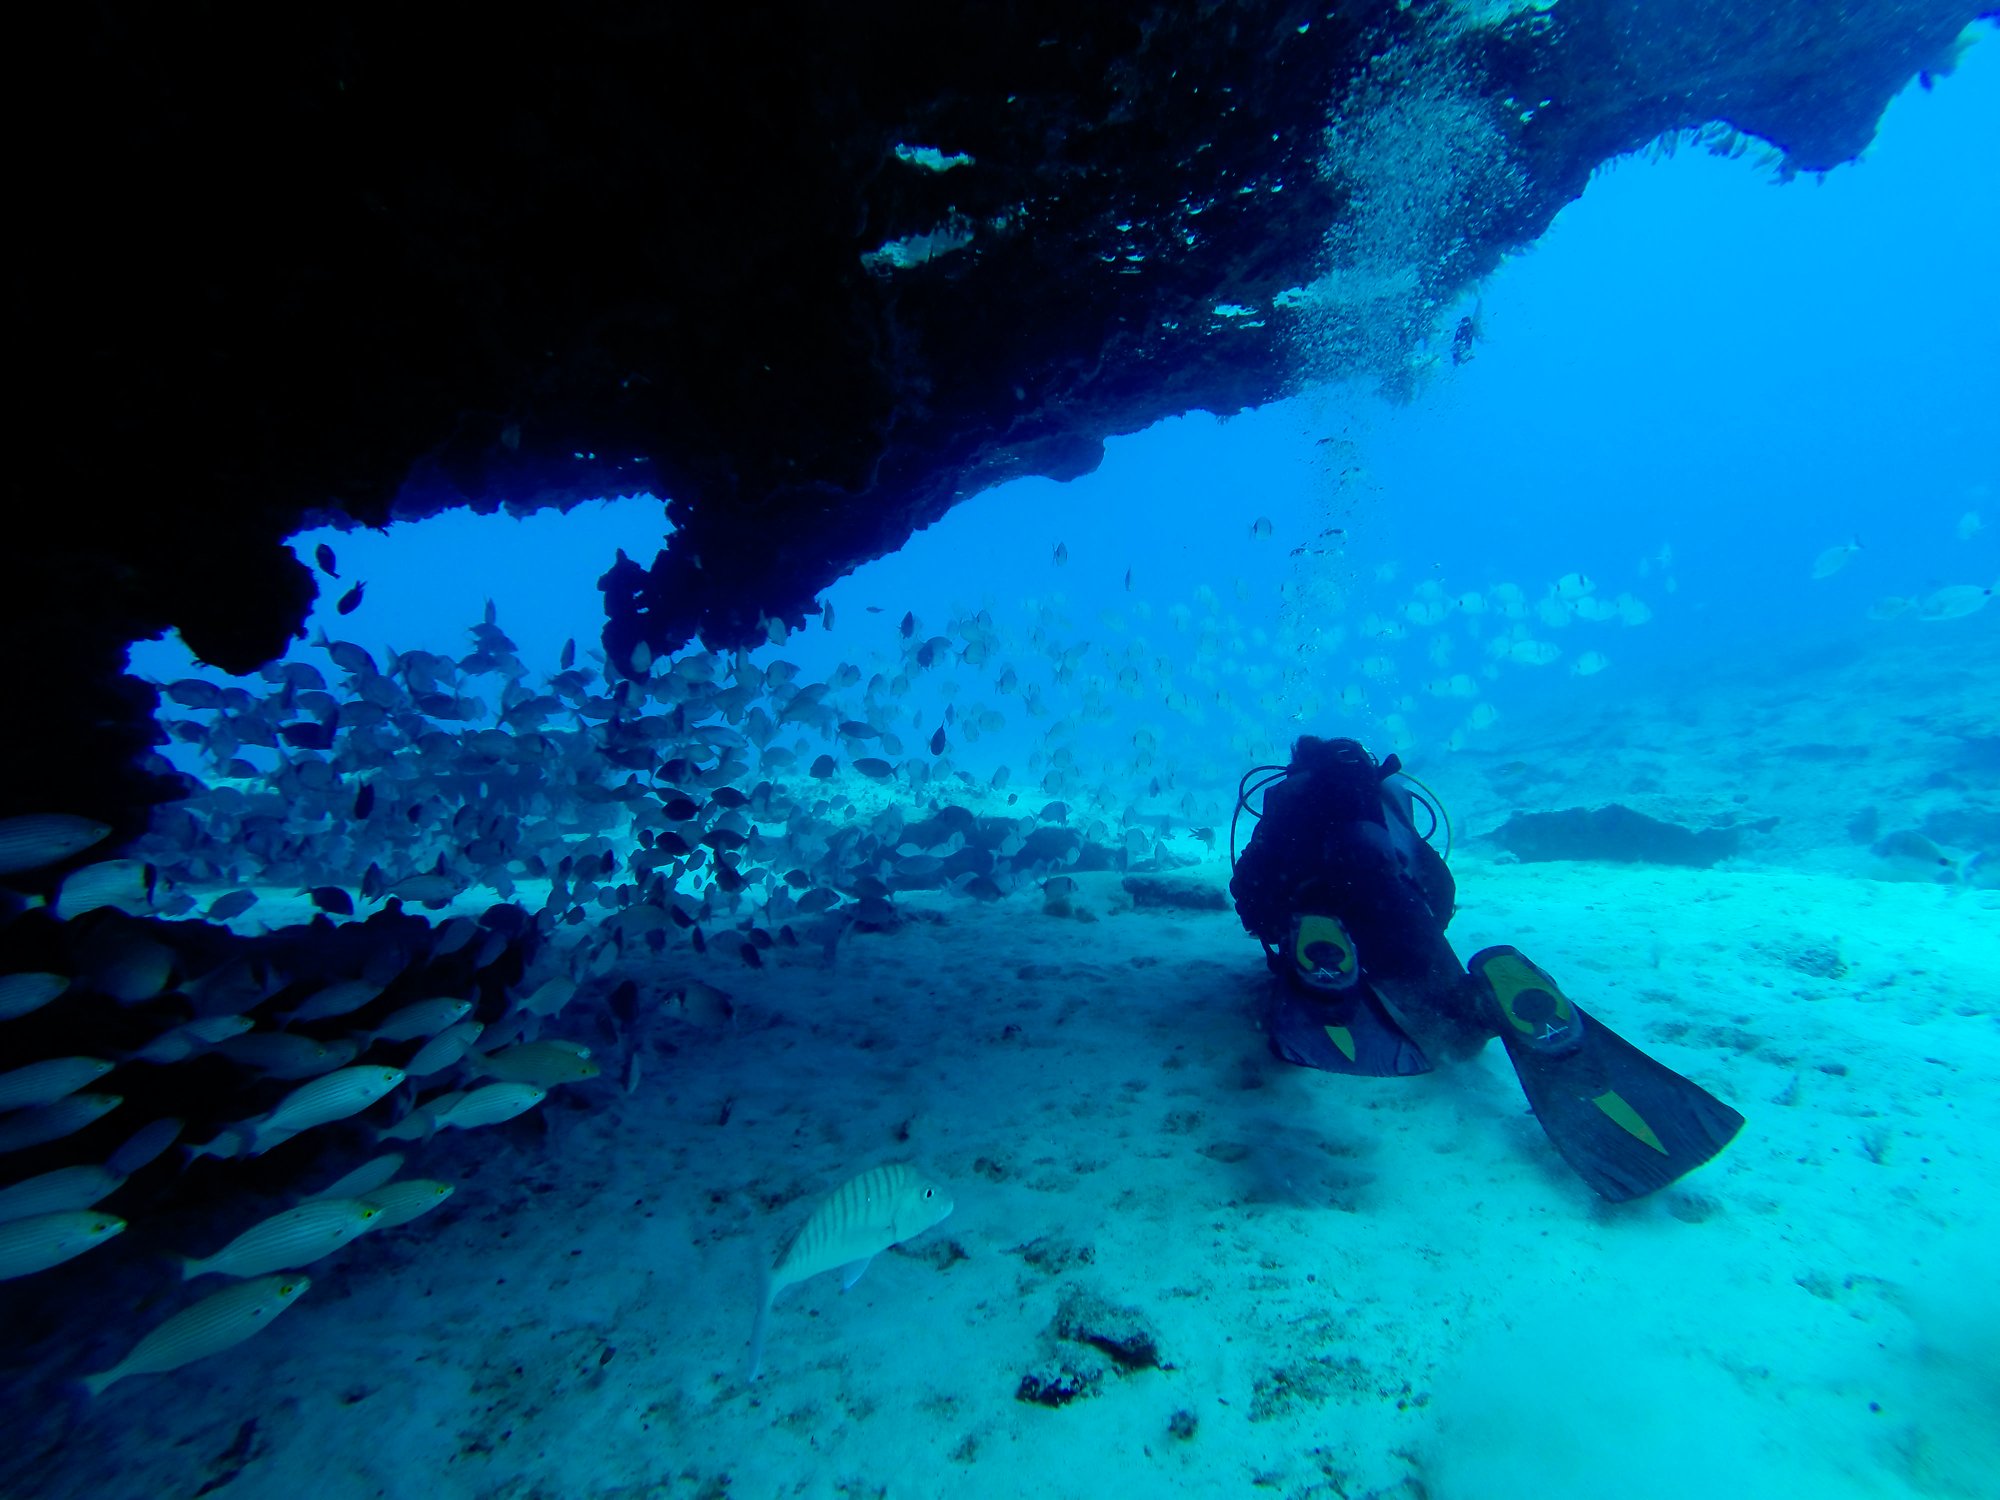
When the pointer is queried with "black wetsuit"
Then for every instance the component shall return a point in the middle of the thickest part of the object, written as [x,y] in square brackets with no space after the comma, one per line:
[1379,993]
[1337,837]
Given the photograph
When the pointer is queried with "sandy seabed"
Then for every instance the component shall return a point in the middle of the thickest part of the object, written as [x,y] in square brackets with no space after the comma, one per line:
[1305,1285]
[1351,1287]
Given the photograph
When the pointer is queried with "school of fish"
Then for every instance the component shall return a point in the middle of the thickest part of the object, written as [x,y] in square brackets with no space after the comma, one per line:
[484,857]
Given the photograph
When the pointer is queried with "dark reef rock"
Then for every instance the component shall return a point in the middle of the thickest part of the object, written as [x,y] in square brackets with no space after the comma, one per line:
[1059,1380]
[1614,833]
[1123,1333]
[1052,1255]
[306,263]
[1087,1339]
[1176,893]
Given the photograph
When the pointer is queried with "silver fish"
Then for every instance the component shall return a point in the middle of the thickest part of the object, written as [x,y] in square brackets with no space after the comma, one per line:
[60,1191]
[33,840]
[46,1082]
[285,1241]
[444,1050]
[321,1102]
[128,884]
[209,1327]
[68,1115]
[31,1245]
[864,1216]
[363,1179]
[22,993]
[401,1202]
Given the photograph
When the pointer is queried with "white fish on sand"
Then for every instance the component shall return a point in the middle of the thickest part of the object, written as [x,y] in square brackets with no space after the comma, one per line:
[857,1221]
[285,1241]
[209,1327]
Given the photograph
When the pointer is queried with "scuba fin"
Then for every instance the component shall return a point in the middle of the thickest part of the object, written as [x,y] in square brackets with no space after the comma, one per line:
[1325,1017]
[1628,1125]
[1350,1033]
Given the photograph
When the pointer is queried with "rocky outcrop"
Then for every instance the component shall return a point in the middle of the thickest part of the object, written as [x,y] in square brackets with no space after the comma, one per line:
[815,272]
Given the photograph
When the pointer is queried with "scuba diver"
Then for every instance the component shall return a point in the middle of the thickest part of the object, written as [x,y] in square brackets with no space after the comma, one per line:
[1351,903]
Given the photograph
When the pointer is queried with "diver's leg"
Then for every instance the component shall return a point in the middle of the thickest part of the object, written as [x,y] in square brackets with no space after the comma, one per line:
[1405,957]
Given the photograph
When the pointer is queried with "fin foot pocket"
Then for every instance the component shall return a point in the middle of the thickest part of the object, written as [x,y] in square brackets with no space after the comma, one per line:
[1324,958]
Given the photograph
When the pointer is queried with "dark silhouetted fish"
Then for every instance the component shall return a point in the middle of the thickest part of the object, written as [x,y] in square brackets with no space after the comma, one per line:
[194,692]
[34,840]
[222,908]
[333,900]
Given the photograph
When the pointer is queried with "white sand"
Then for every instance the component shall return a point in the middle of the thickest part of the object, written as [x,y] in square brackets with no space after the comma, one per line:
[1359,1284]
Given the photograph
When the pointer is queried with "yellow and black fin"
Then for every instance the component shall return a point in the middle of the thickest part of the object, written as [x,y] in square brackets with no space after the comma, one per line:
[1626,1124]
